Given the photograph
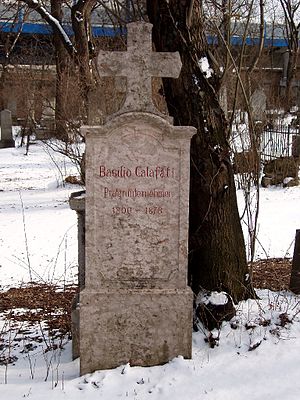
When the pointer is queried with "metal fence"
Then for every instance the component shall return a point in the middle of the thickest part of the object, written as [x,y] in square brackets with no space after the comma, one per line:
[278,141]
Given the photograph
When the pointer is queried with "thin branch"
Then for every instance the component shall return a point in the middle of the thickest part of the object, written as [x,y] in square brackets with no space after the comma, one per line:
[261,38]
[54,23]
[189,14]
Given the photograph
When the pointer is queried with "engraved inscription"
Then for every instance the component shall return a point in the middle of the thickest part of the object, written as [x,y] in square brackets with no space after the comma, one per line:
[136,216]
[140,205]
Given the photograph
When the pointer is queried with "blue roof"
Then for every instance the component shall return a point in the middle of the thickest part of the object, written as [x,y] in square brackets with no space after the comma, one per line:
[102,25]
[45,29]
[250,41]
[41,28]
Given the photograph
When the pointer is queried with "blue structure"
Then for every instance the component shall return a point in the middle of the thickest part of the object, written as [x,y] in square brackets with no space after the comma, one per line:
[45,29]
[34,25]
[274,35]
[268,41]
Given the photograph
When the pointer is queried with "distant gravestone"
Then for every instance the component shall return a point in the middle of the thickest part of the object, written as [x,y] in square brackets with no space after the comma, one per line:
[136,306]
[295,274]
[6,138]
[258,104]
[296,146]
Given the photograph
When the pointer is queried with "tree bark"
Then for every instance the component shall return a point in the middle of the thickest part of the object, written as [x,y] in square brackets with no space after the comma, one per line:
[216,245]
[81,14]
[62,68]
[290,11]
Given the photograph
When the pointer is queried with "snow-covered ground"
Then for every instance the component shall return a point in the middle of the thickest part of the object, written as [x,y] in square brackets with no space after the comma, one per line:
[279,217]
[257,355]
[38,235]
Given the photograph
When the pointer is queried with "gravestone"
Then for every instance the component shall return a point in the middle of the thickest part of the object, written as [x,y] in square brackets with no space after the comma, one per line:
[258,104]
[296,146]
[6,138]
[295,274]
[77,203]
[136,306]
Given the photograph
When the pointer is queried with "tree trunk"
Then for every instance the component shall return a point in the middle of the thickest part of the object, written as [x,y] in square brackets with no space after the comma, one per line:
[291,72]
[81,14]
[62,69]
[216,245]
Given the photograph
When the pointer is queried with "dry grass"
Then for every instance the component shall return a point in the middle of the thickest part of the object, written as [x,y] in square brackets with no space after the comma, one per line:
[272,273]
[40,302]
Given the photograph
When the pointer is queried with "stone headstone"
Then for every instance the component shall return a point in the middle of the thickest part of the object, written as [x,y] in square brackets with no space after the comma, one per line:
[282,170]
[6,138]
[295,274]
[77,203]
[258,104]
[296,146]
[136,306]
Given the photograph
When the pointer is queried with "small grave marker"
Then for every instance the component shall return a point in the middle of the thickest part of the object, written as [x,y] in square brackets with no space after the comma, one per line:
[295,275]
[258,104]
[6,138]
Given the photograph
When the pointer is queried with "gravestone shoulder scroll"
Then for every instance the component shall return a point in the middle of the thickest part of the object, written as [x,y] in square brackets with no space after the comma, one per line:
[136,306]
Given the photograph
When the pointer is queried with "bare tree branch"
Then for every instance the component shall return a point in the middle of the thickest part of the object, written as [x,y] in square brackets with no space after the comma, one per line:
[53,22]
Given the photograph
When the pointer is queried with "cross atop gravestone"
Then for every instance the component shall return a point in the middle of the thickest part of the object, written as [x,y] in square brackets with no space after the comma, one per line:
[139,64]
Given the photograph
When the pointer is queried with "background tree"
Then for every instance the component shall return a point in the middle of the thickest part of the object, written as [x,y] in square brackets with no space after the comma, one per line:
[216,243]
[291,11]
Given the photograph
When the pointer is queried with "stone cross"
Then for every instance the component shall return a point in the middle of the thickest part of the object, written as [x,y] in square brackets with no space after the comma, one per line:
[139,64]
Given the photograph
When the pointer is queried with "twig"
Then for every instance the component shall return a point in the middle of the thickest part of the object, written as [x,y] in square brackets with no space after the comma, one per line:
[25,236]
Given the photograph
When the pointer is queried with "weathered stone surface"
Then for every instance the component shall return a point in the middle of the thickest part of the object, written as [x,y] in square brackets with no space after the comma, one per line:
[276,171]
[137,181]
[296,146]
[258,104]
[6,138]
[77,203]
[139,64]
[295,274]
[136,223]
[142,327]
[284,166]
[75,326]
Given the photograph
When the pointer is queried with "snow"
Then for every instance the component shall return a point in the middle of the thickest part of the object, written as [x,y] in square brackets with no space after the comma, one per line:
[204,67]
[214,298]
[257,353]
[279,216]
[34,206]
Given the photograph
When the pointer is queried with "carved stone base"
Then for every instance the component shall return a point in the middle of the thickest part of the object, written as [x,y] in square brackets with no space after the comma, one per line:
[143,327]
